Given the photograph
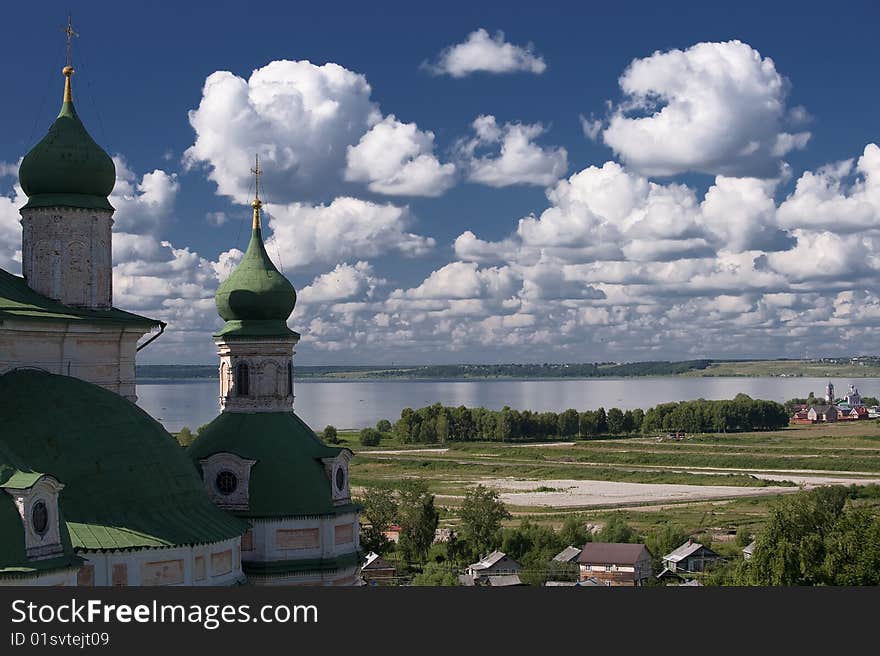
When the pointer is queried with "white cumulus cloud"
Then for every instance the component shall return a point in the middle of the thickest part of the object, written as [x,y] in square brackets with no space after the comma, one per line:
[713,108]
[481,52]
[346,228]
[397,158]
[516,158]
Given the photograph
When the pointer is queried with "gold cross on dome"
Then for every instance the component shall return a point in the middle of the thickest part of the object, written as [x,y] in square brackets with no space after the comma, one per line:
[69,31]
[257,171]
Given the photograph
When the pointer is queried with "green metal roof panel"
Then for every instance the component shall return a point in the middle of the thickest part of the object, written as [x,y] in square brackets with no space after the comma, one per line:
[127,483]
[256,329]
[18,301]
[288,478]
[19,480]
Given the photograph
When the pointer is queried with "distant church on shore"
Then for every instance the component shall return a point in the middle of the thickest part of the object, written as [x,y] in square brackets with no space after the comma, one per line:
[94,491]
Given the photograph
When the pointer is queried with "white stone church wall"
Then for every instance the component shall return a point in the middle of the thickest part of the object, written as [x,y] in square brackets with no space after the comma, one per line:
[304,538]
[102,355]
[216,564]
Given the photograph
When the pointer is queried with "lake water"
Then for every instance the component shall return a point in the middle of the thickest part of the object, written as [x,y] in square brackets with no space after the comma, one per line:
[357,404]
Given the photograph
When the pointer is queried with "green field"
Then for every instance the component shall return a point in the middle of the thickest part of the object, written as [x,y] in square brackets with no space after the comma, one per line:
[807,368]
[756,465]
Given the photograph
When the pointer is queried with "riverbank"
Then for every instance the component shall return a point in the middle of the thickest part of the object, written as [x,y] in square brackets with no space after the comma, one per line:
[837,368]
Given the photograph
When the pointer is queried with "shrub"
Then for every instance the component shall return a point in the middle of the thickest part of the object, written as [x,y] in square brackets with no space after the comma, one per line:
[383,426]
[330,434]
[370,437]
[185,436]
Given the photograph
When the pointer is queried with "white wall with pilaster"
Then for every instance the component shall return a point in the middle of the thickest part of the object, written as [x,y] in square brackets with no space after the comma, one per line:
[67,255]
[214,564]
[302,538]
[100,354]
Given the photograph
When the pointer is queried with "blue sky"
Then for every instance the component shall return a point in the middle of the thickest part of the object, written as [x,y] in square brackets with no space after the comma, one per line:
[420,293]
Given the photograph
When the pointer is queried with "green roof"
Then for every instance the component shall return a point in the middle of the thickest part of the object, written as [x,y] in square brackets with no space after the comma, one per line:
[18,301]
[67,168]
[128,484]
[288,478]
[256,299]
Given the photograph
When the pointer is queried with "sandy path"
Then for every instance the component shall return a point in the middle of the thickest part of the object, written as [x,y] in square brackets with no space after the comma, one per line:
[576,494]
[401,452]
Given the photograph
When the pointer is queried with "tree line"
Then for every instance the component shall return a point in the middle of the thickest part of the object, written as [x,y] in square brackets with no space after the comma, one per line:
[439,423]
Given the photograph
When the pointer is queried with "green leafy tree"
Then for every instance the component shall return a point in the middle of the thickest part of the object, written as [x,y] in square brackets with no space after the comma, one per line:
[791,549]
[418,519]
[442,428]
[743,536]
[481,515]
[383,426]
[638,416]
[436,574]
[601,421]
[568,423]
[852,549]
[615,421]
[573,532]
[330,434]
[379,512]
[616,530]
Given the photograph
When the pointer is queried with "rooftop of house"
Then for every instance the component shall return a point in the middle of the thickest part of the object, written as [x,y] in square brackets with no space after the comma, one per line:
[567,555]
[612,553]
[505,581]
[489,561]
[687,549]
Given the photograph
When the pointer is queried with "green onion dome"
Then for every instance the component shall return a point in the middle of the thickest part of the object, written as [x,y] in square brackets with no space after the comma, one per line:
[67,168]
[256,299]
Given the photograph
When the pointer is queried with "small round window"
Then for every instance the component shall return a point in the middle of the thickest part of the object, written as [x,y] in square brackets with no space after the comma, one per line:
[226,482]
[40,517]
[340,479]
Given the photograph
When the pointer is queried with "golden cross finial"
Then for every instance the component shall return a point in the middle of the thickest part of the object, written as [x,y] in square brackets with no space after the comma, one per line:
[68,30]
[257,204]
[257,171]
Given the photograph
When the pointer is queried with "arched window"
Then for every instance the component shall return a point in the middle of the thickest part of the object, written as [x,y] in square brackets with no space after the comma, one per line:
[290,379]
[242,380]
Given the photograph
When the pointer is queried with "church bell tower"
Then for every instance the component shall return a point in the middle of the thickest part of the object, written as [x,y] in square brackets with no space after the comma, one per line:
[66,223]
[255,345]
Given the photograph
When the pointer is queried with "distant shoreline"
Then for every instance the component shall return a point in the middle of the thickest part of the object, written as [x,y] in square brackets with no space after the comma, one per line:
[863,367]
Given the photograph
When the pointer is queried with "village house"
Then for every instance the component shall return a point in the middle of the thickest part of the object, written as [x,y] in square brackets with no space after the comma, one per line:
[801,417]
[846,413]
[615,564]
[822,413]
[688,558]
[496,563]
[378,571]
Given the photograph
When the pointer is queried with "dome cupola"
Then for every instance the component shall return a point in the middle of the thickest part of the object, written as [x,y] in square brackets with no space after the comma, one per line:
[256,299]
[67,168]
